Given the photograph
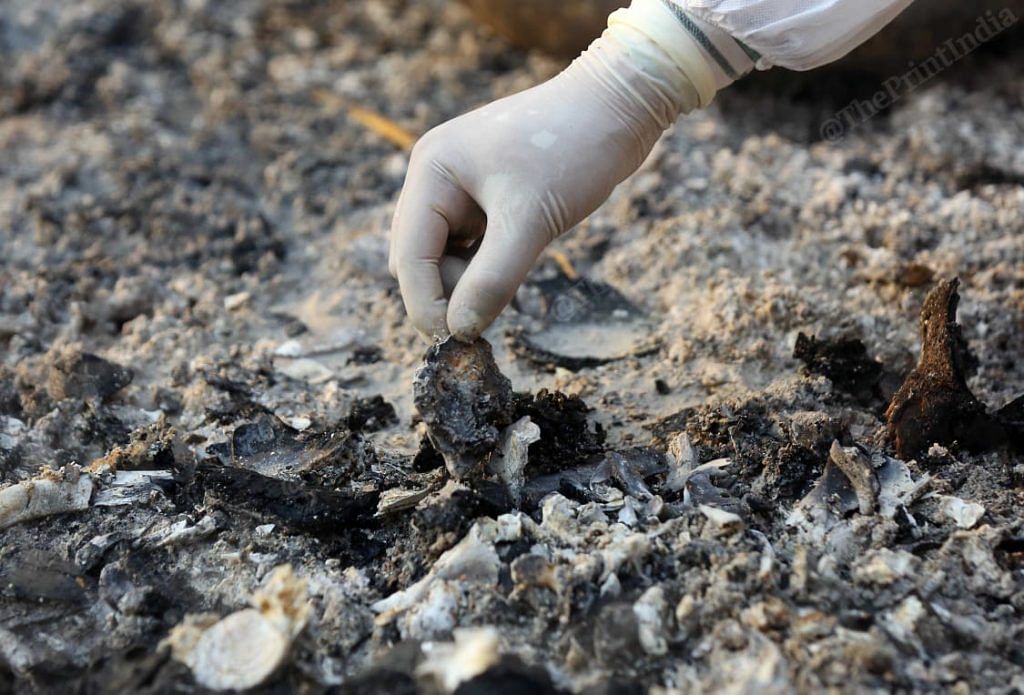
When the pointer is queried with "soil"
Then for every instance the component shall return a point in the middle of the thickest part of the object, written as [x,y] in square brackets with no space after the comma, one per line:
[196,313]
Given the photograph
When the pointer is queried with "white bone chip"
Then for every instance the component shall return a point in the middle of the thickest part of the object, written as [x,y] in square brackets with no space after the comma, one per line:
[244,649]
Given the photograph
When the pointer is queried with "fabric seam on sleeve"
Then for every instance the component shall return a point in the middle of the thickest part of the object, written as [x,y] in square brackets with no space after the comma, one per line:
[702,39]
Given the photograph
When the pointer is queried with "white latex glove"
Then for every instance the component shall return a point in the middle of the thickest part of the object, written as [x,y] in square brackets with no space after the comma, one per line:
[487,191]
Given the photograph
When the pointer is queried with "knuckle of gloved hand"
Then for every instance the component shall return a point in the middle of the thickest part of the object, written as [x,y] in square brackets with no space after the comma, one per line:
[429,145]
[550,220]
[549,233]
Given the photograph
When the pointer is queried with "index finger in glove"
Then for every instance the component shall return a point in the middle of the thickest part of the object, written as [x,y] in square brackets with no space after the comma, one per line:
[431,208]
[419,234]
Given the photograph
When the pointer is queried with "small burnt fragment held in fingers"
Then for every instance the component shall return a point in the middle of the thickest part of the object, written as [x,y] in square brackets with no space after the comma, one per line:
[934,404]
[464,400]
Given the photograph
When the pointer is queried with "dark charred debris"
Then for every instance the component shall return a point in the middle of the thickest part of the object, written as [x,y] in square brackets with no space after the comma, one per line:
[294,504]
[371,415]
[464,400]
[845,362]
[575,323]
[503,479]
[568,436]
[78,374]
[935,405]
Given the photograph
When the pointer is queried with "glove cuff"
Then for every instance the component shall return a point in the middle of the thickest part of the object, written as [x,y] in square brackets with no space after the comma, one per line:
[706,57]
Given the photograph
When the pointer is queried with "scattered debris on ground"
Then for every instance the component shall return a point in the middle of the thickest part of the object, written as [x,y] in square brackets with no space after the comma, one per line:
[580,323]
[242,650]
[668,465]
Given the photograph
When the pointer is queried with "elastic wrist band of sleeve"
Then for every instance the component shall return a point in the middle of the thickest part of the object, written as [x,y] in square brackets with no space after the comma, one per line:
[795,34]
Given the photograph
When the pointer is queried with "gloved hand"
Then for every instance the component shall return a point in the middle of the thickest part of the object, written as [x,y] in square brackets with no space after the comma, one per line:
[486,192]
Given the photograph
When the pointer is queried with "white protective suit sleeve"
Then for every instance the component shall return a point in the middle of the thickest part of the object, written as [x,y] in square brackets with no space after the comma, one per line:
[795,34]
[487,191]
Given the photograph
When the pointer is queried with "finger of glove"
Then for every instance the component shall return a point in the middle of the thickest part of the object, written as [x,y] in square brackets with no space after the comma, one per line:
[418,241]
[464,236]
[392,265]
[492,278]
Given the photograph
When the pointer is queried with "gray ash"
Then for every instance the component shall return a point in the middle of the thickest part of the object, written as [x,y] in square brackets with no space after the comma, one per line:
[205,377]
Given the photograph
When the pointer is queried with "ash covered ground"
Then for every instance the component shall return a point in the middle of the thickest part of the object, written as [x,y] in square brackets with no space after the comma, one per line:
[207,369]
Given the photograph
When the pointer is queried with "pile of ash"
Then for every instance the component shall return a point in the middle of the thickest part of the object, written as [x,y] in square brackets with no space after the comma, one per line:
[756,545]
[728,437]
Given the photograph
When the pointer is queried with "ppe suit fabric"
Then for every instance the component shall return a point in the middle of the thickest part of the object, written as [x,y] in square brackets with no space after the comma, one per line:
[728,58]
[797,34]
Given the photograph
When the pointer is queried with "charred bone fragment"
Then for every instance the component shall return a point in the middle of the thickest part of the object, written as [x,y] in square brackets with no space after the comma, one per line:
[857,467]
[934,404]
[464,400]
